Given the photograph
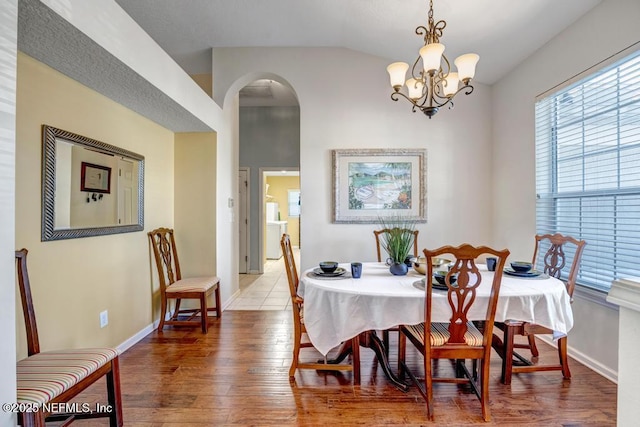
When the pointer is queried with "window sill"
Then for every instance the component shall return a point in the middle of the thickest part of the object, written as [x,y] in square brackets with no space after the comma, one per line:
[594,296]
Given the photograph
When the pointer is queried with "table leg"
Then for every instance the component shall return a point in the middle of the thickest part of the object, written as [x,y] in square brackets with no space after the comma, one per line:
[370,340]
[344,351]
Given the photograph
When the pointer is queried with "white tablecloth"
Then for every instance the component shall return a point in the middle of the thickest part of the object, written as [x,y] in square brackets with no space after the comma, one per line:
[336,310]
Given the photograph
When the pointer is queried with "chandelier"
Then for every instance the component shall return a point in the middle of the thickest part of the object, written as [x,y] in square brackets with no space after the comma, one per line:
[432,84]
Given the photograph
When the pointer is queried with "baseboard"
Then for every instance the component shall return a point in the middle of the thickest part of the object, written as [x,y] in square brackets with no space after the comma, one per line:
[127,344]
[587,361]
[130,342]
[231,299]
[253,272]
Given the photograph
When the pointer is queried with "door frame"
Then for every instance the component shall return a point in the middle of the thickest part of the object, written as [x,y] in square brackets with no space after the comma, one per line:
[247,225]
[262,223]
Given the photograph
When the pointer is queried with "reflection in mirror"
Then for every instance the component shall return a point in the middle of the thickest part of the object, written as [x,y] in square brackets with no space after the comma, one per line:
[89,188]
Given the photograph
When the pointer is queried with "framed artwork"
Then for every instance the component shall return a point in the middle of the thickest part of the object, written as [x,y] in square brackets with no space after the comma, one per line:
[95,178]
[372,183]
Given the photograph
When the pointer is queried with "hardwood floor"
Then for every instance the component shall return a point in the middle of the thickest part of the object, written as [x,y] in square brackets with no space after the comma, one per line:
[237,375]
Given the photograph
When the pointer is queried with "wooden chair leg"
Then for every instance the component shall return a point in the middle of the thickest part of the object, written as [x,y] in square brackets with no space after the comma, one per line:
[114,394]
[32,419]
[484,392]
[507,359]
[163,314]
[564,361]
[204,313]
[355,359]
[218,304]
[532,345]
[177,311]
[297,337]
[428,383]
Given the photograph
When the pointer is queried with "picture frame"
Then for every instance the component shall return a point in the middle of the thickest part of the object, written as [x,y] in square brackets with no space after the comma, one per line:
[95,178]
[369,184]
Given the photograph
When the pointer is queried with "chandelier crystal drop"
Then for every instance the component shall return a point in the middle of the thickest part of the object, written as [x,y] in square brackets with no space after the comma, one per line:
[432,83]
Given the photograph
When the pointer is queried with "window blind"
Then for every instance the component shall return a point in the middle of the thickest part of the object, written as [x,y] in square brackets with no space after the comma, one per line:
[588,169]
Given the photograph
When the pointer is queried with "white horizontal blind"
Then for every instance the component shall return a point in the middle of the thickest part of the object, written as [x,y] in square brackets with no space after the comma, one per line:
[588,169]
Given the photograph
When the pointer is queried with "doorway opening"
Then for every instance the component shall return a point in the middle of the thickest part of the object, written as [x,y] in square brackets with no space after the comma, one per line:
[281,204]
[269,143]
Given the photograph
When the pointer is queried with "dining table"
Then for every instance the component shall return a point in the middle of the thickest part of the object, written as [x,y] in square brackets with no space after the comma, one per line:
[339,307]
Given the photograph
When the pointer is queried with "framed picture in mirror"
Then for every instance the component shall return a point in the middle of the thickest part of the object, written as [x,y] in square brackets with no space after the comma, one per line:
[95,178]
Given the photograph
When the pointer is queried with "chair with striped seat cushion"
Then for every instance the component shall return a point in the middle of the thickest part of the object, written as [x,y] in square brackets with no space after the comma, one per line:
[459,340]
[440,334]
[174,287]
[558,256]
[45,378]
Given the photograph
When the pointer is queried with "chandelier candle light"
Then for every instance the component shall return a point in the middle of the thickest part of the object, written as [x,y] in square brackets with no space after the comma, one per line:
[433,85]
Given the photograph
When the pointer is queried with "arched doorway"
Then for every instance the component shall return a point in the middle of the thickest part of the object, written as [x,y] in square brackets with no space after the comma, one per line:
[268,143]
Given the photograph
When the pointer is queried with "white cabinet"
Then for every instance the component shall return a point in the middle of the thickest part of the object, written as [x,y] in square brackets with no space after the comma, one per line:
[275,230]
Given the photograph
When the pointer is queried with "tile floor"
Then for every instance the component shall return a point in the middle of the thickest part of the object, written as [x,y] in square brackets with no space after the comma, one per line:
[268,291]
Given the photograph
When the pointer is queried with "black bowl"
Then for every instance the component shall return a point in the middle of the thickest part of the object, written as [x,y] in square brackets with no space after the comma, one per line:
[328,266]
[440,276]
[521,266]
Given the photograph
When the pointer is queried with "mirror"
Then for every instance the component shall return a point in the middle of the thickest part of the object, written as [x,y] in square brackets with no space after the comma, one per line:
[89,188]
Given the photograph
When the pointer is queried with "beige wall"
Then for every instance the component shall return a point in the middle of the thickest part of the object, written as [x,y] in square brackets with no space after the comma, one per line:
[74,280]
[195,202]
[278,188]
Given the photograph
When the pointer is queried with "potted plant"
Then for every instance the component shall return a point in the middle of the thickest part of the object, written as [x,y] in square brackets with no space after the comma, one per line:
[398,242]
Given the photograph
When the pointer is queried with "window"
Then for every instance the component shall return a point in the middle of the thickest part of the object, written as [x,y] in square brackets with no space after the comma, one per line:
[293,200]
[588,169]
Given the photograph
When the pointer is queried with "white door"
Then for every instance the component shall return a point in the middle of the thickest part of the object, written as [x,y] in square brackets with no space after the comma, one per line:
[243,220]
[127,210]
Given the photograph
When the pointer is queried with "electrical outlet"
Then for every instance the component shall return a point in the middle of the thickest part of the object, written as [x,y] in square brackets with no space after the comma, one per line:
[104,318]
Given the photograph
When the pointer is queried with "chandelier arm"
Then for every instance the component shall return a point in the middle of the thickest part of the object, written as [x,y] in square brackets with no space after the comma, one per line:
[422,31]
[414,104]
[420,74]
[395,95]
[446,61]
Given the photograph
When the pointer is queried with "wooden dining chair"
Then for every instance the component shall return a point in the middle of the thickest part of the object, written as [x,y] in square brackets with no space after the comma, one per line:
[553,252]
[45,379]
[378,233]
[459,339]
[174,287]
[297,305]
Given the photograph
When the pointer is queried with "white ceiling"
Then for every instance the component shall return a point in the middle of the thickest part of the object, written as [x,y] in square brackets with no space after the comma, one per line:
[502,32]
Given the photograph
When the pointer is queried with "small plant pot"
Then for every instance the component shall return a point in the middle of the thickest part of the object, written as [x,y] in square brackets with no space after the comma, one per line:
[398,269]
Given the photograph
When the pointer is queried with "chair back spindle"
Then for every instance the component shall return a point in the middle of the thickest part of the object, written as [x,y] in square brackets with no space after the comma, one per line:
[33,343]
[555,258]
[378,233]
[166,256]
[290,265]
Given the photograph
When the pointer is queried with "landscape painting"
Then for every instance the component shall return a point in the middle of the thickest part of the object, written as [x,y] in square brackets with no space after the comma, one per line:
[379,185]
[369,184]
